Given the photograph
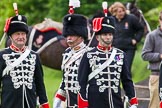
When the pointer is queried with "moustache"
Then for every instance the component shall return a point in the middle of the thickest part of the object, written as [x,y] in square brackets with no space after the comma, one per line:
[69,41]
[21,39]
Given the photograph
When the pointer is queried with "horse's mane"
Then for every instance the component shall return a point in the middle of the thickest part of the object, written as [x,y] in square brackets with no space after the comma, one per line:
[49,23]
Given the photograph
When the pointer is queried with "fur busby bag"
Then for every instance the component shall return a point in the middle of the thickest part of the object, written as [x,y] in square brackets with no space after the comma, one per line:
[75,24]
[103,25]
[17,23]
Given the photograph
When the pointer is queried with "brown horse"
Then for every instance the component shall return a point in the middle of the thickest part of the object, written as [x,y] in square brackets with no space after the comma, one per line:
[133,9]
[45,38]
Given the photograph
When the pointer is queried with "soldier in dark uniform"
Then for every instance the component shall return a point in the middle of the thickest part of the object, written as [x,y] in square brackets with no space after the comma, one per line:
[101,70]
[75,30]
[21,73]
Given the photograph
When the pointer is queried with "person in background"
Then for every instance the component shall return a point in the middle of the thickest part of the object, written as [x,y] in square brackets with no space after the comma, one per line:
[75,30]
[128,33]
[101,70]
[152,52]
[21,73]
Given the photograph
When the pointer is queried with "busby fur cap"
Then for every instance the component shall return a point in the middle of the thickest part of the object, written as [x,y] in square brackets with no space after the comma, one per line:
[107,25]
[17,23]
[75,24]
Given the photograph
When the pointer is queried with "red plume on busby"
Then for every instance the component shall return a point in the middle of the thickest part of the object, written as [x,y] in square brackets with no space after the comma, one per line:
[103,24]
[101,13]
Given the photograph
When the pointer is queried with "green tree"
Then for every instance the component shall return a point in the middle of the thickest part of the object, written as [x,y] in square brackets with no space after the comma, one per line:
[37,10]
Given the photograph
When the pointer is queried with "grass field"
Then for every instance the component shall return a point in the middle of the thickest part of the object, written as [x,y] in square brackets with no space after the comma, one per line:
[53,77]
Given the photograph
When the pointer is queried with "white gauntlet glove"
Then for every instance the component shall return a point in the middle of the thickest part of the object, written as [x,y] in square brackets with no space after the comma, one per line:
[133,106]
[57,102]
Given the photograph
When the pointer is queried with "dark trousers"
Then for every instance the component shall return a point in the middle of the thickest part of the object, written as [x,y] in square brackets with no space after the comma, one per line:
[130,56]
[71,100]
[103,99]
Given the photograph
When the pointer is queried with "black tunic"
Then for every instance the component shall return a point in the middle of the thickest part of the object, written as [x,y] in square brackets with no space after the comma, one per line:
[69,86]
[104,88]
[23,83]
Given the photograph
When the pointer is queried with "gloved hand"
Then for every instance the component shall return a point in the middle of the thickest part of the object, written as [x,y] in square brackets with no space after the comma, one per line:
[46,105]
[133,106]
[161,104]
[57,102]
[133,102]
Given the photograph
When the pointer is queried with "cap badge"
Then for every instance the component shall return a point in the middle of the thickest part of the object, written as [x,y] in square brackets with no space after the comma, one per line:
[19,17]
[69,18]
[108,21]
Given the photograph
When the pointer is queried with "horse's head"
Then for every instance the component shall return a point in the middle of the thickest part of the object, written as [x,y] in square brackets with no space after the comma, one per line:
[133,9]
